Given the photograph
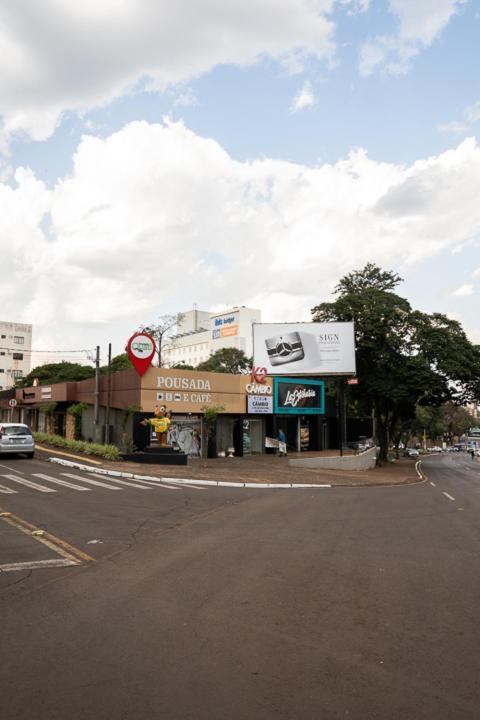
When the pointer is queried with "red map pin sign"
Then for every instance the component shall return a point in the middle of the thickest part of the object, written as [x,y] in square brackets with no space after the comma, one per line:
[141,349]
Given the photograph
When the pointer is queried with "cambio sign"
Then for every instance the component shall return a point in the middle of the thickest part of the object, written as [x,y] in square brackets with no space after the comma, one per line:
[305,348]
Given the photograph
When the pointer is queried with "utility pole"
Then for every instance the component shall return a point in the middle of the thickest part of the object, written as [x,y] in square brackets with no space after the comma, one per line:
[109,395]
[340,404]
[96,412]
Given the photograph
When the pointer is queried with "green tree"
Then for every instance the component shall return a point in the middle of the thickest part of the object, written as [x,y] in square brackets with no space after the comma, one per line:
[119,362]
[405,358]
[57,373]
[227,360]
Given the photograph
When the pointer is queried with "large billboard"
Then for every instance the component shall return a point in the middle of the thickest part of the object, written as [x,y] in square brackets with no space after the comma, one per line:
[304,348]
[295,396]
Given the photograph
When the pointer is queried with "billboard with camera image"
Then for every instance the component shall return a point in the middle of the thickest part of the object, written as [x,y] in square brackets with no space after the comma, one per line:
[305,348]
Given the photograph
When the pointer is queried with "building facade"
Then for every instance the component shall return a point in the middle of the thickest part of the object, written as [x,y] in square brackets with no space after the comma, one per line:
[200,334]
[15,352]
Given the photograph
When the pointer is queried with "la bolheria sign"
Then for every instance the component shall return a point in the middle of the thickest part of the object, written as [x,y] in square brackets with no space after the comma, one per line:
[299,396]
[182,389]
[294,397]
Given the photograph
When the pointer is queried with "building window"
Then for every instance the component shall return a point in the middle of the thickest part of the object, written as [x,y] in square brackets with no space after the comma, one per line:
[18,340]
[4,337]
[17,356]
[2,353]
[2,370]
[17,373]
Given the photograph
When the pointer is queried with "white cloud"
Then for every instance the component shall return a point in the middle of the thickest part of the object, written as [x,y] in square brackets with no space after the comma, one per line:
[419,25]
[463,290]
[303,99]
[470,117]
[60,55]
[154,218]
[476,273]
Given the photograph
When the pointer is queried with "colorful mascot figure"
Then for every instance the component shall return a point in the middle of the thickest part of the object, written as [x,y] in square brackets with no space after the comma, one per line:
[160,422]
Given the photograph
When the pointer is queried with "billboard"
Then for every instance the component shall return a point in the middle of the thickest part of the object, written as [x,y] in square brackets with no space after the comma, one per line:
[305,348]
[295,396]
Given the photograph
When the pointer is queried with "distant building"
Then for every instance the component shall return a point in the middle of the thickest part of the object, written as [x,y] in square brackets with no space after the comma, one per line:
[15,352]
[200,334]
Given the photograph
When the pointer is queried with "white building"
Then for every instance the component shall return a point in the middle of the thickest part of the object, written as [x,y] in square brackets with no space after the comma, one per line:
[15,352]
[200,334]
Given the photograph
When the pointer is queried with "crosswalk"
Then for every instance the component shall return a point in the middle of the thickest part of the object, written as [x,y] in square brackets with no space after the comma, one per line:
[11,483]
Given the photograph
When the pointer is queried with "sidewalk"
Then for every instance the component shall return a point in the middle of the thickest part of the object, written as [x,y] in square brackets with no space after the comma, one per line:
[256,468]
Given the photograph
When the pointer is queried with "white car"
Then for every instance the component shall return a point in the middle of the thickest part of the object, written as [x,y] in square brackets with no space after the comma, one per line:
[413,452]
[16,438]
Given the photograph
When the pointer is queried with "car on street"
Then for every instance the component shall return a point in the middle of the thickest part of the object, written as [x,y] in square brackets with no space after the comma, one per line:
[16,438]
[412,452]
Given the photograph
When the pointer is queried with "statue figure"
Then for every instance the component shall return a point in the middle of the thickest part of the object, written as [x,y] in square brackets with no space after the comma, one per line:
[160,422]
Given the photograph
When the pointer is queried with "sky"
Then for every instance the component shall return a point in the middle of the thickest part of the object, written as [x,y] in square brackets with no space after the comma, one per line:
[156,155]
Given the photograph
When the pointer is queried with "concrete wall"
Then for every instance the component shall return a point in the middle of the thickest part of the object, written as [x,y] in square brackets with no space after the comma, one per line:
[365,461]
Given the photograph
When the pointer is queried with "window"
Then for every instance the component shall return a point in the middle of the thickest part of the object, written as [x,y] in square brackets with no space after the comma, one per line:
[2,370]
[18,339]
[17,373]
[2,353]
[3,337]
[17,356]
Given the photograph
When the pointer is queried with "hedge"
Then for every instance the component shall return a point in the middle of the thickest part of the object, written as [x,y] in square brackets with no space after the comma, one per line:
[109,452]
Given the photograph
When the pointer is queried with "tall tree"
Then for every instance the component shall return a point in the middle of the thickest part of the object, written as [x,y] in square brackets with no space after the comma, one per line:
[405,358]
[227,360]
[163,332]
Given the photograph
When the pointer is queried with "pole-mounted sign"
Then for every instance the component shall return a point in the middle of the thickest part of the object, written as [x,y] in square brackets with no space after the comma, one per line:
[141,349]
[12,402]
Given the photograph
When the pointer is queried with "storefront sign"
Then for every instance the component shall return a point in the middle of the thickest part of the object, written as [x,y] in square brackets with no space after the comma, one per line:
[305,348]
[299,397]
[259,404]
[256,389]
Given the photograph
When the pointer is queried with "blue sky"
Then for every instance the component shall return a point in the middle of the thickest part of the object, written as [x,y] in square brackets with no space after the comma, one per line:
[212,140]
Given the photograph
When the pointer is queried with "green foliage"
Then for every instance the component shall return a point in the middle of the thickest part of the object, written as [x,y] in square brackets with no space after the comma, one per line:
[210,413]
[76,411]
[108,452]
[405,357]
[57,373]
[119,362]
[227,360]
[182,366]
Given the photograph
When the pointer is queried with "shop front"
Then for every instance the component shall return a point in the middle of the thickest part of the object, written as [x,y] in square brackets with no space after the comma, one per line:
[299,411]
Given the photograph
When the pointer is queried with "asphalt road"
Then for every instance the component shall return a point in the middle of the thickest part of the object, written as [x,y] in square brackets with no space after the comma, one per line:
[358,603]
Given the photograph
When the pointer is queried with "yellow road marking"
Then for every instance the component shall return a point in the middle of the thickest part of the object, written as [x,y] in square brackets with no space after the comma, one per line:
[61,547]
[75,457]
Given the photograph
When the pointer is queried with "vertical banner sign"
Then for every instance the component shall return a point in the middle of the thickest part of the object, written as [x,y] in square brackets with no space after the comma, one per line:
[141,349]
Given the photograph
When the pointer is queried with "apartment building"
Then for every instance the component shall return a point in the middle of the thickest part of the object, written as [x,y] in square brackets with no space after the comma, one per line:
[200,334]
[15,352]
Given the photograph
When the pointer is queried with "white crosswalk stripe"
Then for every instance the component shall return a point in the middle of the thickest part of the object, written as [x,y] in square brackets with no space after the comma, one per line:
[140,483]
[90,481]
[29,483]
[129,484]
[64,483]
[6,490]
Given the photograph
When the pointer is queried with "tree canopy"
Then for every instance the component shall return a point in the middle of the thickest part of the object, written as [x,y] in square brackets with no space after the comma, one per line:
[404,357]
[57,373]
[227,360]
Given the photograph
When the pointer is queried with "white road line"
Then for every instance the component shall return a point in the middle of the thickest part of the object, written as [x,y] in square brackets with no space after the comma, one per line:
[432,484]
[90,481]
[130,484]
[7,490]
[28,483]
[64,483]
[36,564]
[13,469]
[185,484]
[448,496]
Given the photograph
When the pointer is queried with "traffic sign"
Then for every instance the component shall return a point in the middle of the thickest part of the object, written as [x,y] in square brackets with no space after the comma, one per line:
[12,402]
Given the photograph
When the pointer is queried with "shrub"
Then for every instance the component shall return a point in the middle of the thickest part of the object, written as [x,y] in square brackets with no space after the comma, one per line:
[109,452]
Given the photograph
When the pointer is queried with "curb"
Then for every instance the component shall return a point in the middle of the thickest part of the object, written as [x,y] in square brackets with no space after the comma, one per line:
[181,481]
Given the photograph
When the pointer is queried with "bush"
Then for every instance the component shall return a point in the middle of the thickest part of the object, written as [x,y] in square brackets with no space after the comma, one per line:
[109,452]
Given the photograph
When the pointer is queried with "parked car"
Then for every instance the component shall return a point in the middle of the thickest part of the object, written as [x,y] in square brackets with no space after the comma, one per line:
[16,438]
[412,452]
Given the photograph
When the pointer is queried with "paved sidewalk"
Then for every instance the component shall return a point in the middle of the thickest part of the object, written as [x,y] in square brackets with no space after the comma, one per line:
[260,468]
